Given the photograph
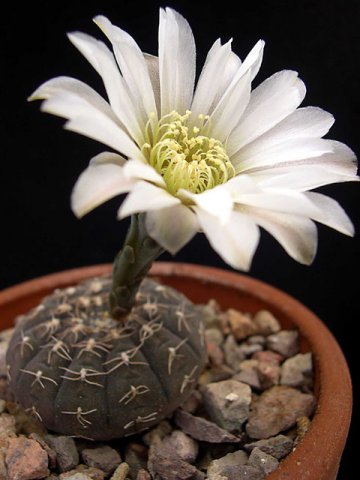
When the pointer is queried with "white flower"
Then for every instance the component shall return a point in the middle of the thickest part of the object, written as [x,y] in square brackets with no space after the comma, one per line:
[220,158]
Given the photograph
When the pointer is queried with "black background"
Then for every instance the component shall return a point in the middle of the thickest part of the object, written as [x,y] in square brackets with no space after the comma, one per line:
[40,162]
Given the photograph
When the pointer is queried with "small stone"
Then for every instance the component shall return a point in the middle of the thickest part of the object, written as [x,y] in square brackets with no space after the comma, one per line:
[268,356]
[256,340]
[2,405]
[278,446]
[215,353]
[248,349]
[136,457]
[66,452]
[277,409]
[216,373]
[266,323]
[285,342]
[186,447]
[228,403]
[26,460]
[156,434]
[216,467]
[143,475]
[202,429]
[7,425]
[50,452]
[241,325]
[164,462]
[265,462]
[233,355]
[210,314]
[77,476]
[249,376]
[269,374]
[105,458]
[121,471]
[91,472]
[3,470]
[297,371]
[241,472]
[214,335]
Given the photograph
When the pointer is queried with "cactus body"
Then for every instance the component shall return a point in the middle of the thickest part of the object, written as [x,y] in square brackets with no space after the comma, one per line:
[82,373]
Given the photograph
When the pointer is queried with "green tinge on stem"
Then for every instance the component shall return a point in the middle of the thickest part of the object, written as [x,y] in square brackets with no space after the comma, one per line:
[131,265]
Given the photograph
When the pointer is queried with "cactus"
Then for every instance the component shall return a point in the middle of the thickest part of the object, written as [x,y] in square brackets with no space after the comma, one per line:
[82,373]
[111,356]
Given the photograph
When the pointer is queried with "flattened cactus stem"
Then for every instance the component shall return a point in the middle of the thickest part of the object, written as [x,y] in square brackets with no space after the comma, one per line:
[131,265]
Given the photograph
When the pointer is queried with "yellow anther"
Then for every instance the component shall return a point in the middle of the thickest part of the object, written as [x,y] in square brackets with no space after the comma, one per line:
[186,157]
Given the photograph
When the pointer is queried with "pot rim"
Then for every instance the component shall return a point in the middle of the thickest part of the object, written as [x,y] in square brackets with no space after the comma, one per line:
[331,421]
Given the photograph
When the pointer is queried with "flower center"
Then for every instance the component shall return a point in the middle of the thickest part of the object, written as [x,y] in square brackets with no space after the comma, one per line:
[184,155]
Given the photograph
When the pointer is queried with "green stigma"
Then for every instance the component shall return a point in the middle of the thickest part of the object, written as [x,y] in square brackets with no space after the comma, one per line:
[184,155]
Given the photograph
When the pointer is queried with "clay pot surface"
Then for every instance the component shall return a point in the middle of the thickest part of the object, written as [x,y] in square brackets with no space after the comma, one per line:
[318,455]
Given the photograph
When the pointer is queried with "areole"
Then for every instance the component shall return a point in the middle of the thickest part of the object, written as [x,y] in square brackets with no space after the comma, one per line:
[318,455]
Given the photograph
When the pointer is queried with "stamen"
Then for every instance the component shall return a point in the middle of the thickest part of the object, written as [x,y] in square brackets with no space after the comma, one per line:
[186,157]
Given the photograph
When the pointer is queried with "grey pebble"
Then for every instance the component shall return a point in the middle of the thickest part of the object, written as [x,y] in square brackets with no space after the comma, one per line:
[297,371]
[277,409]
[105,458]
[164,462]
[67,455]
[265,462]
[233,355]
[214,335]
[216,467]
[285,342]
[202,429]
[227,403]
[278,446]
[266,323]
[186,447]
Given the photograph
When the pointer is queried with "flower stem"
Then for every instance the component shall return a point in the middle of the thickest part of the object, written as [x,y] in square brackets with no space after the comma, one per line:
[131,265]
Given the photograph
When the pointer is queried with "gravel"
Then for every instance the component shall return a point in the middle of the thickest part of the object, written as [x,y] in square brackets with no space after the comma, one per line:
[252,406]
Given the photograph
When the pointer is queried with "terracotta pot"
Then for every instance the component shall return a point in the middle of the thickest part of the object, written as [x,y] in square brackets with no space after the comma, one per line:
[318,455]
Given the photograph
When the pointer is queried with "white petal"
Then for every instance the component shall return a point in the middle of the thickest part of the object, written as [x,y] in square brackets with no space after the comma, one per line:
[97,184]
[340,165]
[102,60]
[172,227]
[144,197]
[332,214]
[87,111]
[227,75]
[289,151]
[299,177]
[235,242]
[229,110]
[270,102]
[138,170]
[59,85]
[152,63]
[132,64]
[217,201]
[176,62]
[308,122]
[108,157]
[296,234]
[279,200]
[253,60]
[211,82]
